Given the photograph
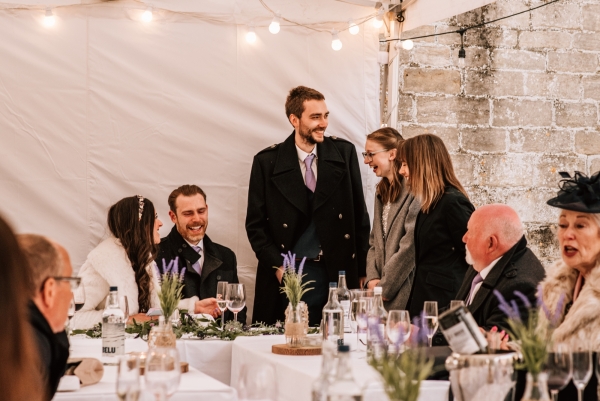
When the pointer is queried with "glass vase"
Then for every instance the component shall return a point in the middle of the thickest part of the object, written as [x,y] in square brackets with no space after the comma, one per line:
[296,324]
[162,336]
[536,387]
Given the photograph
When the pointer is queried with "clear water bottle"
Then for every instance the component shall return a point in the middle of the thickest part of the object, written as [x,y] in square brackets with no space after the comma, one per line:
[113,326]
[333,318]
[377,316]
[344,298]
[344,387]
[462,332]
[321,385]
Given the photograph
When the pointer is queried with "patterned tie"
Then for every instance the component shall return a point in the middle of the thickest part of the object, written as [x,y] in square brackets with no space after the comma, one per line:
[476,280]
[311,181]
[196,266]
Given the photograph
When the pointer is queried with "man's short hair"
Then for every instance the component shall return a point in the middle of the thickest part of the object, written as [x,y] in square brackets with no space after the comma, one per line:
[294,103]
[185,190]
[43,258]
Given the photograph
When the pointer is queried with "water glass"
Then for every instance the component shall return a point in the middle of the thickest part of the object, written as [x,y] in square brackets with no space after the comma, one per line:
[456,302]
[430,317]
[163,372]
[221,302]
[236,298]
[365,303]
[124,305]
[128,378]
[558,367]
[398,328]
[582,370]
[257,382]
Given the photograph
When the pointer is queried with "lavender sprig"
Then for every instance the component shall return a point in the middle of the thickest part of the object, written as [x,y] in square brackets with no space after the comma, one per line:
[524,299]
[507,308]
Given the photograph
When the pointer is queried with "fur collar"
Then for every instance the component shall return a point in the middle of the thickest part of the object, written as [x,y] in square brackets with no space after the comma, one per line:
[580,327]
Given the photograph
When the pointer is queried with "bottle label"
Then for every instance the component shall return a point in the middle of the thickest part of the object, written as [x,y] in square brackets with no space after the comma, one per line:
[346,308]
[113,339]
[460,339]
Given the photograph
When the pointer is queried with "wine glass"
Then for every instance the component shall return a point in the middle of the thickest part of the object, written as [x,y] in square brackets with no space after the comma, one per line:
[221,302]
[398,328]
[128,378]
[582,370]
[355,295]
[430,317]
[236,298]
[70,314]
[79,297]
[365,303]
[124,305]
[456,302]
[163,372]
[558,367]
[257,382]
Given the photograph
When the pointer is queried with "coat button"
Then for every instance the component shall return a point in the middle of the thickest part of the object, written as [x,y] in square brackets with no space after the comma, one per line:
[284,225]
[340,216]
[353,255]
[184,245]
[179,250]
[218,277]
[347,236]
[282,246]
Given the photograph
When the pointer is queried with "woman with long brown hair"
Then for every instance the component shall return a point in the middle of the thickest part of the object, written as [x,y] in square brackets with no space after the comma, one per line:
[390,260]
[441,223]
[125,260]
[19,377]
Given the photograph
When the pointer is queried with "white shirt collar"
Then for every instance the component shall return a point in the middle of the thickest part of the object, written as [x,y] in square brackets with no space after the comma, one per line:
[488,268]
[302,154]
[200,244]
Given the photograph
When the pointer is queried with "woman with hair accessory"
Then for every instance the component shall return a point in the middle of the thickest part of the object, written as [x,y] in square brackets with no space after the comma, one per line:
[125,260]
[19,378]
[441,223]
[391,256]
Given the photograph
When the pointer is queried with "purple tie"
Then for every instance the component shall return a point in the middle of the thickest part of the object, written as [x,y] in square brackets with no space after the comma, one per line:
[311,182]
[196,266]
[476,280]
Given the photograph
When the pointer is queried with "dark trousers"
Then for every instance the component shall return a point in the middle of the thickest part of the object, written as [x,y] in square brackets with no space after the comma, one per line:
[316,298]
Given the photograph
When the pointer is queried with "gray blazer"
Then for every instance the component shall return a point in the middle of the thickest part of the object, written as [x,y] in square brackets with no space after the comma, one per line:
[393,260]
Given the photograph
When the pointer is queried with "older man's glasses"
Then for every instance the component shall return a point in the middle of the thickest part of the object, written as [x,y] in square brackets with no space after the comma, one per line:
[369,155]
[74,282]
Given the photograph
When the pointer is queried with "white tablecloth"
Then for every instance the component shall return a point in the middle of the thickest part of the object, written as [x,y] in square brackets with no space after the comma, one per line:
[295,374]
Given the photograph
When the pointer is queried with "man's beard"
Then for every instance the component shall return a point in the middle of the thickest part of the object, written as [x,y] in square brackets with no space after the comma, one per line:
[306,135]
[468,257]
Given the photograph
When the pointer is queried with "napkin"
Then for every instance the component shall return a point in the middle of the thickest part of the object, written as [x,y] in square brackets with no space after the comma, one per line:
[68,383]
[88,370]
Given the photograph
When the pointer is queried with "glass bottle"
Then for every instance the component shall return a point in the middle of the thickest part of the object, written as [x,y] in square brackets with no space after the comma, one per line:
[321,385]
[344,387]
[333,318]
[462,332]
[344,298]
[113,326]
[377,316]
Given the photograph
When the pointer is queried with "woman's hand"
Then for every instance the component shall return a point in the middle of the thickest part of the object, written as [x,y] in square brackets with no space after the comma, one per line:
[373,283]
[139,318]
[208,306]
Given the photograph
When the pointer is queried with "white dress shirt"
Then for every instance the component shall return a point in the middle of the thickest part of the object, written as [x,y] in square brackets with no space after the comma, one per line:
[200,252]
[483,274]
[301,156]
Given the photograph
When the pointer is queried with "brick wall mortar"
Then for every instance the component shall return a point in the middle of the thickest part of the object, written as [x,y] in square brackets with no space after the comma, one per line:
[529,95]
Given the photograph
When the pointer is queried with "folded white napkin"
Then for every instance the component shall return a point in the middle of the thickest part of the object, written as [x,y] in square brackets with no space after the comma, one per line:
[69,383]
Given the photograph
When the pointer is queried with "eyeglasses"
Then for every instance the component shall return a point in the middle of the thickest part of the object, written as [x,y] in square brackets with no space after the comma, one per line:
[369,155]
[73,281]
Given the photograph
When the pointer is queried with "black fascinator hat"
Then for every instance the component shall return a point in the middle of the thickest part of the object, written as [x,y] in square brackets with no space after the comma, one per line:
[579,193]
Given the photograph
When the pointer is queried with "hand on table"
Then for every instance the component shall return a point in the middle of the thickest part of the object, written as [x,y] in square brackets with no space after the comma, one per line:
[208,306]
[279,274]
[373,283]
[361,282]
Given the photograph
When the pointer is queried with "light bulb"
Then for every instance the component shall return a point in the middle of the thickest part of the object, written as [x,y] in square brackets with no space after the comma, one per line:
[147,15]
[336,43]
[378,20]
[275,24]
[461,57]
[407,44]
[353,28]
[49,19]
[251,35]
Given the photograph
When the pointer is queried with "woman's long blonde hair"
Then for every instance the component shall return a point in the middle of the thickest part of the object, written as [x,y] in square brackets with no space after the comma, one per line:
[430,169]
[390,139]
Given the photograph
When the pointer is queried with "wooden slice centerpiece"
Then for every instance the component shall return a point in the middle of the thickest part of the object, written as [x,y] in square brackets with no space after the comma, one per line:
[284,349]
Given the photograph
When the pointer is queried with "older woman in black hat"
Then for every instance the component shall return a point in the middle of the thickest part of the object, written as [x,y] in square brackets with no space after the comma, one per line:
[577,274]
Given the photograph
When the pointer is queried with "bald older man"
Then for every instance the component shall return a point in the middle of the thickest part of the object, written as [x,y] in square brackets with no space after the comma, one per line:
[500,260]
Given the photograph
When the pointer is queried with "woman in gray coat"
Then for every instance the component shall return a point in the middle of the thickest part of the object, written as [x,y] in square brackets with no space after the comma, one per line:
[391,256]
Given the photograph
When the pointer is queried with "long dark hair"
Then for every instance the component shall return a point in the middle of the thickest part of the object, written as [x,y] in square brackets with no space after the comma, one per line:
[390,139]
[137,237]
[19,379]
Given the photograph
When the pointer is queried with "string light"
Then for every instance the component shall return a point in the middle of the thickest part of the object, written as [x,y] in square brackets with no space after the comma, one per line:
[147,15]
[407,44]
[251,34]
[275,24]
[336,43]
[353,28]
[461,53]
[378,20]
[49,19]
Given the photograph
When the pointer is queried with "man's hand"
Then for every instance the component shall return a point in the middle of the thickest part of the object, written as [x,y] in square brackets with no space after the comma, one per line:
[279,274]
[139,318]
[373,283]
[361,282]
[208,306]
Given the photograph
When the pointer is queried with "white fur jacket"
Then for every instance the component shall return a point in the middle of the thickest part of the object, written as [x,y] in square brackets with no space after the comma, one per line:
[580,327]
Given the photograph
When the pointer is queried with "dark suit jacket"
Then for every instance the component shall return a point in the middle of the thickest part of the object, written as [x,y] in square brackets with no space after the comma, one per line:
[53,350]
[440,252]
[278,214]
[518,270]
[219,265]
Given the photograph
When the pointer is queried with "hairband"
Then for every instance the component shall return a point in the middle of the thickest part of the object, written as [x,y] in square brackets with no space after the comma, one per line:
[141,208]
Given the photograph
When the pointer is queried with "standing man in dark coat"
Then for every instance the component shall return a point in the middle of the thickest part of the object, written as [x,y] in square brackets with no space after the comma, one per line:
[305,196]
[206,262]
[500,260]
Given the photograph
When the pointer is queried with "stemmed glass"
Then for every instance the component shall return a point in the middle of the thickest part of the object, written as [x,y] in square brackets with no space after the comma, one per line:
[257,383]
[398,328]
[430,315]
[365,303]
[79,297]
[558,367]
[163,372]
[128,378]
[236,298]
[456,302]
[124,305]
[70,314]
[582,370]
[221,302]
[354,296]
